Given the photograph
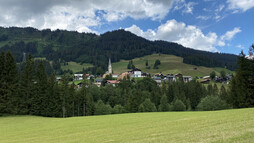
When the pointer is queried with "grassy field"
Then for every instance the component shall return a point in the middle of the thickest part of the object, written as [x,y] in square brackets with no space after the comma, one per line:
[169,65]
[75,67]
[212,126]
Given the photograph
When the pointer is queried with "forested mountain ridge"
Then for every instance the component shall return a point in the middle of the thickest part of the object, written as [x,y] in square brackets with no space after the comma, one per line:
[62,46]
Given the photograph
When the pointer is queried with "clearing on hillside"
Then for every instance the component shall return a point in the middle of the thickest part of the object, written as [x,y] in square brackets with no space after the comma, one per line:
[170,64]
[75,67]
[212,126]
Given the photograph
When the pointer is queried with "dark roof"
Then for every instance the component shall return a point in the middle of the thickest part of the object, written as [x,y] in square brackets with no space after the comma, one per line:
[136,69]
[99,80]
[157,78]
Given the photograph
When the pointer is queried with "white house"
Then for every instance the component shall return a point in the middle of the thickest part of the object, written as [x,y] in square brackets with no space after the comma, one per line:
[187,78]
[136,73]
[115,75]
[78,77]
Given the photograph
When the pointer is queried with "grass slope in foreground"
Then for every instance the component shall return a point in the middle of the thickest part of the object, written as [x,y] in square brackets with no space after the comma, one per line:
[169,64]
[211,126]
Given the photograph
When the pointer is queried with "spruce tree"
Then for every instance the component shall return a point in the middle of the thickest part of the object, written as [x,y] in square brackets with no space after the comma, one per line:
[164,106]
[64,93]
[3,92]
[40,100]
[11,82]
[241,86]
[26,87]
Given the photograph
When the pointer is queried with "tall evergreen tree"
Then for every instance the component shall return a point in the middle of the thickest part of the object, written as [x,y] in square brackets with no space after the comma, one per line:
[241,85]
[26,87]
[40,99]
[64,95]
[11,82]
[3,99]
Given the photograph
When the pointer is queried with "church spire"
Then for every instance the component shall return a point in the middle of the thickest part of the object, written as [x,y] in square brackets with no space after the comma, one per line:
[109,66]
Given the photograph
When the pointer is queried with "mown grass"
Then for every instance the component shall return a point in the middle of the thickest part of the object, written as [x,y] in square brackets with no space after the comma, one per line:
[212,126]
[169,65]
[75,67]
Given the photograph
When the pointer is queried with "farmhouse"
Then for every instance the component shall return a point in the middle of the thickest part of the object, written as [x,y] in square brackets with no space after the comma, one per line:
[170,78]
[136,73]
[187,78]
[78,77]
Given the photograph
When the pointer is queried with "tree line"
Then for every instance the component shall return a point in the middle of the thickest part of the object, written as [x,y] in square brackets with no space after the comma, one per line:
[34,92]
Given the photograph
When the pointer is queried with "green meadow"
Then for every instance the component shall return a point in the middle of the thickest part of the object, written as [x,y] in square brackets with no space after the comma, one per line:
[212,126]
[75,67]
[170,64]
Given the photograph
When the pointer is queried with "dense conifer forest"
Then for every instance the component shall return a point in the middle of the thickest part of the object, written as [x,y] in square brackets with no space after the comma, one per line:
[34,92]
[62,46]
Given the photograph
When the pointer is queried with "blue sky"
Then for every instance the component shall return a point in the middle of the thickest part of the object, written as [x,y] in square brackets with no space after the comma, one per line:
[211,25]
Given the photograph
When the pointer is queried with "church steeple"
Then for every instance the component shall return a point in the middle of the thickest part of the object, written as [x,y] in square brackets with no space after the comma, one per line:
[109,67]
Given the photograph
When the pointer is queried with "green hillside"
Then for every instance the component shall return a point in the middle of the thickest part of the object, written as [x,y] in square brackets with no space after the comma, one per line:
[75,67]
[170,64]
[212,126]
[70,46]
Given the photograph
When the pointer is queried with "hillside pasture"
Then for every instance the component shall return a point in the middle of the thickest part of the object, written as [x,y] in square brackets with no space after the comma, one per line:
[170,64]
[75,67]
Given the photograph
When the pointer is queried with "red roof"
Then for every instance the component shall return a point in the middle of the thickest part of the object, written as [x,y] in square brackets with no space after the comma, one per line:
[112,81]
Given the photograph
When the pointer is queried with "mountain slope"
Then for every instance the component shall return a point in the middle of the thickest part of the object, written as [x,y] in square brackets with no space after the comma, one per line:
[65,46]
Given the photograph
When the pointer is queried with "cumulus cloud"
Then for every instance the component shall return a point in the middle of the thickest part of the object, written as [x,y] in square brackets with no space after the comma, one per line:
[187,35]
[80,15]
[242,5]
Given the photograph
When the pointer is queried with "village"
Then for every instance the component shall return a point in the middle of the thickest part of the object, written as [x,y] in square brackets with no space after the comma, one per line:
[110,78]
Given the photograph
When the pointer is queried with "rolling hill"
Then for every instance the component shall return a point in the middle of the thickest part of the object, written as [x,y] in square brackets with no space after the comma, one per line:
[169,65]
[212,126]
[62,46]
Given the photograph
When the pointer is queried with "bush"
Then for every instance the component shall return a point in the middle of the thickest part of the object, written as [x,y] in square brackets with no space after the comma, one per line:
[179,106]
[211,103]
[147,106]
[118,109]
[102,109]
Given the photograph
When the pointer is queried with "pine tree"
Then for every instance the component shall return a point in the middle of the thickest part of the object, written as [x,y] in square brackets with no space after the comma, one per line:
[26,87]
[164,106]
[146,63]
[223,93]
[3,99]
[40,100]
[11,82]
[241,85]
[53,108]
[64,93]
[215,90]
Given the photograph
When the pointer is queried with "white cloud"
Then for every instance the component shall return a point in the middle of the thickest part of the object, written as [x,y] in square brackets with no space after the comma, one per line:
[184,6]
[242,5]
[80,15]
[220,8]
[187,35]
[240,46]
[230,34]
[202,17]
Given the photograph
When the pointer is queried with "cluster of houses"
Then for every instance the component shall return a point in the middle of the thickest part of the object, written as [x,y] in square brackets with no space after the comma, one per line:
[223,80]
[137,73]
